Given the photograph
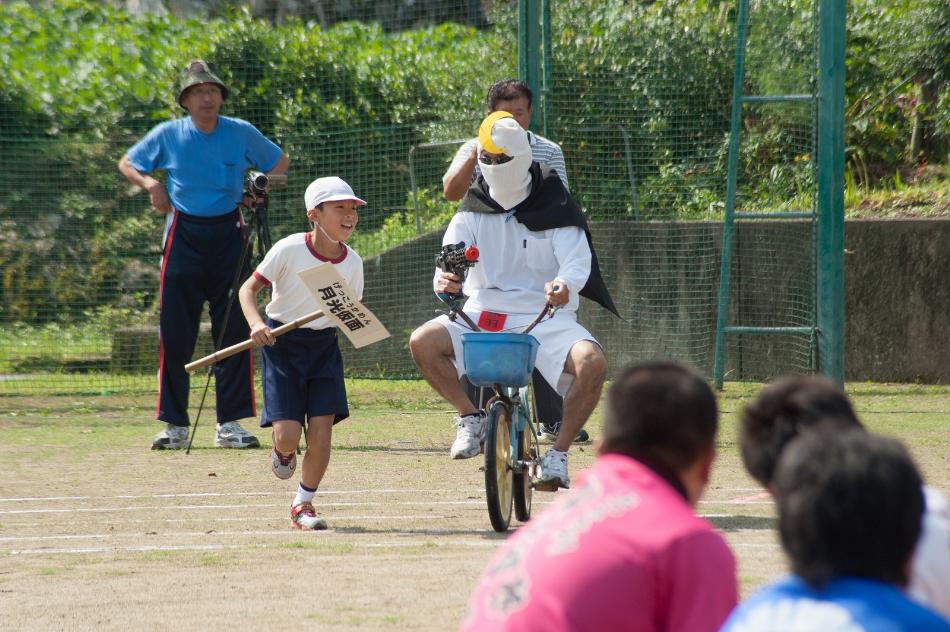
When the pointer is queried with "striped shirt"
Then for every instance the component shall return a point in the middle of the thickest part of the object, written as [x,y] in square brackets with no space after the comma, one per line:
[543,151]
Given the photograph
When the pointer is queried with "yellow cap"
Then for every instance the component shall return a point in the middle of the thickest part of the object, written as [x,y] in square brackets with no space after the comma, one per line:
[485,129]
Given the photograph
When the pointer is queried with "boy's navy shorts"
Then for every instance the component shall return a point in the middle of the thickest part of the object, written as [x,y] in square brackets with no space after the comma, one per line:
[303,376]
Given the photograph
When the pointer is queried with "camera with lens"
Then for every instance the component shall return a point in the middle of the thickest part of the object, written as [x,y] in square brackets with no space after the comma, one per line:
[257,183]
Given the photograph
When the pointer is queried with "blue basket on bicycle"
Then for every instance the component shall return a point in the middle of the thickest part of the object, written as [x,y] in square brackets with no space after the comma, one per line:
[499,358]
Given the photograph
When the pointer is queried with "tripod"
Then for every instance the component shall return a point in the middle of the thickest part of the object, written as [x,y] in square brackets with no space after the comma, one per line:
[257,241]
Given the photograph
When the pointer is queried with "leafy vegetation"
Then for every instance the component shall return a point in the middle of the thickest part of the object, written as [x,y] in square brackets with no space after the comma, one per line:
[639,100]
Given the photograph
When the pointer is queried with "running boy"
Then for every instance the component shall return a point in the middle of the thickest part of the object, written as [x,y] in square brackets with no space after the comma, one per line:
[303,369]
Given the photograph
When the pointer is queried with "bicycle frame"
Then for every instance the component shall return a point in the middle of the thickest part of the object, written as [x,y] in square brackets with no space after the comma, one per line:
[505,361]
[516,401]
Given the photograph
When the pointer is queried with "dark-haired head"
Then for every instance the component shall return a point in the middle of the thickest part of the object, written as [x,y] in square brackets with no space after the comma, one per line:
[508,90]
[849,504]
[782,410]
[662,413]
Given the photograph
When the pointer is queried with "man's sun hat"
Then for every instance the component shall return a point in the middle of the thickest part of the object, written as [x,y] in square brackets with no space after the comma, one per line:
[196,72]
[329,189]
[500,133]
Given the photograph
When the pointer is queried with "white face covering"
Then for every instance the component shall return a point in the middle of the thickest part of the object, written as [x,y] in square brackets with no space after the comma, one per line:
[508,183]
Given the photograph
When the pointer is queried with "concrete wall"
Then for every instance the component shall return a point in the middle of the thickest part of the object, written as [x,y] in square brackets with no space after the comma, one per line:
[665,278]
[897,298]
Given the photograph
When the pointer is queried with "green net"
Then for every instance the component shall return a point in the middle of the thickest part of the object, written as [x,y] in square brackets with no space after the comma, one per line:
[774,257]
[382,94]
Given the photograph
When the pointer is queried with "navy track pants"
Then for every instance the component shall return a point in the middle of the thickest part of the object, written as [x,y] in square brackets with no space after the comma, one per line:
[199,262]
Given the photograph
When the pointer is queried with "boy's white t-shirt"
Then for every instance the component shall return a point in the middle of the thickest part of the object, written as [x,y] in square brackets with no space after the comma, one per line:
[290,298]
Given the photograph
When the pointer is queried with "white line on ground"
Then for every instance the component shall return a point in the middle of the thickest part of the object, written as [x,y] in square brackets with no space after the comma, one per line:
[21,525]
[452,491]
[218,547]
[139,508]
[243,494]
[196,534]
[179,534]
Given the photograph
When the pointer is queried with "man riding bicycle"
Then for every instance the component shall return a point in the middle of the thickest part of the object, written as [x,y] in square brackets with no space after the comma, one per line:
[534,248]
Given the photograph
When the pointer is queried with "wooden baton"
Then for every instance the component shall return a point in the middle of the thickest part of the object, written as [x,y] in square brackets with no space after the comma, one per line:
[227,352]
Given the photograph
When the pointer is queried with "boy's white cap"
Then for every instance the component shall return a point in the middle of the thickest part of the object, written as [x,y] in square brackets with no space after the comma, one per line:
[329,189]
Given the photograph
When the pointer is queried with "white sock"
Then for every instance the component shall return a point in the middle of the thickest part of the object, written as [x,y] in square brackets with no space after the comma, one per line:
[304,495]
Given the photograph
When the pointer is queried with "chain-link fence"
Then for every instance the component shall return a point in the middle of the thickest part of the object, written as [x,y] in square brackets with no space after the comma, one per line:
[381,94]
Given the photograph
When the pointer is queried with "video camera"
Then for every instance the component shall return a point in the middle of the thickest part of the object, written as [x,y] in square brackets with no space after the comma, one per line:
[257,183]
[456,259]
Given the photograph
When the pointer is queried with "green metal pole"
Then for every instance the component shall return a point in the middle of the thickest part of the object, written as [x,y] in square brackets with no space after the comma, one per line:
[831,72]
[547,67]
[523,38]
[735,129]
[529,48]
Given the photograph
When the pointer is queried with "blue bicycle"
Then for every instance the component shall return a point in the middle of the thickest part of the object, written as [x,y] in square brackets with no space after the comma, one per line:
[504,362]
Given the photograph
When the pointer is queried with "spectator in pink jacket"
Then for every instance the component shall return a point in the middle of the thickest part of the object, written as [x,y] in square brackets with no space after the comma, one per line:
[625,550]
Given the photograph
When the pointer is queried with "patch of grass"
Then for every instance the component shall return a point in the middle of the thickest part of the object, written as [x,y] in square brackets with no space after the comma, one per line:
[215,559]
[50,343]
[59,384]
[387,412]
[323,546]
[350,617]
[924,193]
[55,570]
[164,556]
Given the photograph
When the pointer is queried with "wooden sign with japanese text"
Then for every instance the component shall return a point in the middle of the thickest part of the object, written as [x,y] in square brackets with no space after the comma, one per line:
[340,305]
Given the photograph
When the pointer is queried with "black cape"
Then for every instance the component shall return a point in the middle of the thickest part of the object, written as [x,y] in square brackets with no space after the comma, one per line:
[548,205]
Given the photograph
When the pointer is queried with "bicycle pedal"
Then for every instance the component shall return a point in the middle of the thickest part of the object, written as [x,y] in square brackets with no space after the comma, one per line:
[546,486]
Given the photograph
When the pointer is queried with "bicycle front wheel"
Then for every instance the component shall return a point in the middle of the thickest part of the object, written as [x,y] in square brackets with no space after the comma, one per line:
[526,454]
[499,477]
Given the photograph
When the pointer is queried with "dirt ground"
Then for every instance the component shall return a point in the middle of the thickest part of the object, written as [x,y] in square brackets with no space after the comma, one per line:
[98,532]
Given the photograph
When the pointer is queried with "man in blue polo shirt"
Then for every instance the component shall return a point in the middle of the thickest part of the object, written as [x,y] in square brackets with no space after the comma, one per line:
[204,156]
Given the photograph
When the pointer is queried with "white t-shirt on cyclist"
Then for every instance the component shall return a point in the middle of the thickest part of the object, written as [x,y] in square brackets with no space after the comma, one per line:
[514,263]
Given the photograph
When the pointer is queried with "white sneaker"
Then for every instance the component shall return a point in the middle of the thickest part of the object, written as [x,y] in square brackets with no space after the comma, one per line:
[283,466]
[303,516]
[171,438]
[553,470]
[232,435]
[468,438]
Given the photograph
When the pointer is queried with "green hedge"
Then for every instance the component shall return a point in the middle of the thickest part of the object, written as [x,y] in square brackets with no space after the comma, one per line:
[83,81]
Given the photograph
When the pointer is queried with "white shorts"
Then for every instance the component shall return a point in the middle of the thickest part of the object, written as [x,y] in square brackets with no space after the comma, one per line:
[557,335]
